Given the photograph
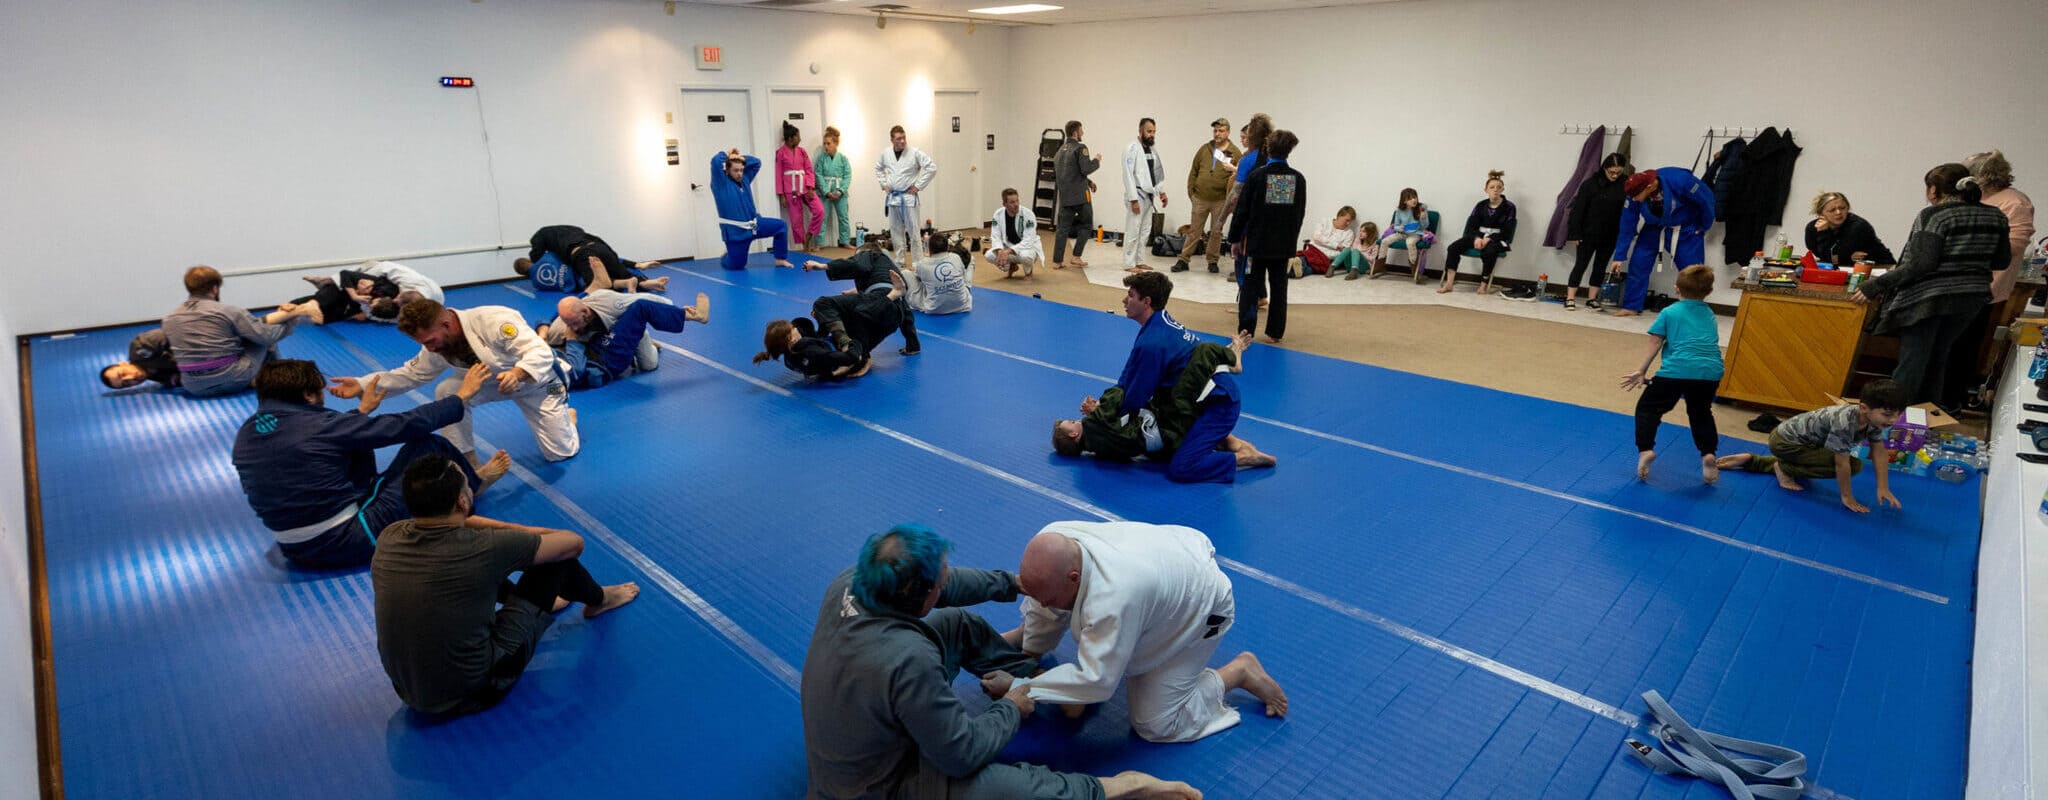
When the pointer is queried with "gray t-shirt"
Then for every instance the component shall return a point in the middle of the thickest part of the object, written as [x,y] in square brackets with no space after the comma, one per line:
[1834,427]
[437,593]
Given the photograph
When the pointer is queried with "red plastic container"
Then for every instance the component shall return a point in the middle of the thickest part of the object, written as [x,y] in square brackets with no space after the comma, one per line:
[1833,276]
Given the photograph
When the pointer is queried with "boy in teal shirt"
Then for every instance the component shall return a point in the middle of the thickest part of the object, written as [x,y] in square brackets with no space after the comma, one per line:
[1685,332]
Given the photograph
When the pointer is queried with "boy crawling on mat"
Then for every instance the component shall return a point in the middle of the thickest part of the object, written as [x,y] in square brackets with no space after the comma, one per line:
[1818,443]
[1189,427]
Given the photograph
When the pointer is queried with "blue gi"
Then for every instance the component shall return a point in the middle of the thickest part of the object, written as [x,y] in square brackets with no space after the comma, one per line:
[1157,358]
[1198,460]
[1687,205]
[611,356]
[310,473]
[738,224]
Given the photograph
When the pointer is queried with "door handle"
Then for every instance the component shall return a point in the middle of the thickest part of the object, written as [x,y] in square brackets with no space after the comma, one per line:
[695,187]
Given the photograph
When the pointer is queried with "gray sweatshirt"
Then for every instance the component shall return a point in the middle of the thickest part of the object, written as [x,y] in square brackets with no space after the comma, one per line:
[204,329]
[877,696]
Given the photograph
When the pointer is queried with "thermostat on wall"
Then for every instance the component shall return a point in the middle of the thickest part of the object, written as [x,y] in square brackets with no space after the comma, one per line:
[458,83]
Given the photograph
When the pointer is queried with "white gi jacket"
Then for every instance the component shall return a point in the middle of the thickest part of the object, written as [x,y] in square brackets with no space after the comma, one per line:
[502,341]
[1147,593]
[407,278]
[1028,247]
[1142,173]
[898,173]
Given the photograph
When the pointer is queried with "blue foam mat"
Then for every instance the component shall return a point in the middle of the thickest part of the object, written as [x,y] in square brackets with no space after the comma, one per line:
[190,662]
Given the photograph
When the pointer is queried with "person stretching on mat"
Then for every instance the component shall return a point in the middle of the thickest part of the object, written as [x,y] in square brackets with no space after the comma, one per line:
[604,335]
[454,634]
[853,326]
[1189,428]
[220,347]
[596,264]
[1144,602]
[412,285]
[149,359]
[738,224]
[880,715]
[868,268]
[528,372]
[310,472]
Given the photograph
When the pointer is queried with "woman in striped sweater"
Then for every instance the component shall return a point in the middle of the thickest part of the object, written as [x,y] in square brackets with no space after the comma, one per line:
[1943,278]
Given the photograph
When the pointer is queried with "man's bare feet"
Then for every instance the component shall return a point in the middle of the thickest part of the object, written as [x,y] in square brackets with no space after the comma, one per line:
[1710,468]
[1790,483]
[701,312]
[1249,457]
[1238,344]
[783,262]
[1140,786]
[1443,289]
[490,471]
[1736,461]
[654,285]
[615,595]
[1245,672]
[1643,460]
[1077,262]
[1272,340]
[863,369]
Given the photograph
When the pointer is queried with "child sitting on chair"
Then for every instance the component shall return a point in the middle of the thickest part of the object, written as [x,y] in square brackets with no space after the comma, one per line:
[1690,340]
[1410,228]
[1818,443]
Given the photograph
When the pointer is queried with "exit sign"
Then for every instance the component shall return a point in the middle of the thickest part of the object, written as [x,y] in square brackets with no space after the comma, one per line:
[710,56]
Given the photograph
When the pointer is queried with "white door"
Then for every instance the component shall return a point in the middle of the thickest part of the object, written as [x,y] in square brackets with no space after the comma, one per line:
[716,120]
[804,108]
[958,137]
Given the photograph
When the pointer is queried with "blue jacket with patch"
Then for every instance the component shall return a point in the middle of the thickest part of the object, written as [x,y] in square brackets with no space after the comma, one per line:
[301,464]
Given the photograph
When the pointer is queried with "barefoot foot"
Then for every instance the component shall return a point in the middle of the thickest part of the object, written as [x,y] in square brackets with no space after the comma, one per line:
[783,262]
[1643,460]
[1245,672]
[654,285]
[1790,483]
[1736,461]
[701,312]
[561,605]
[1710,468]
[490,471]
[1140,786]
[615,595]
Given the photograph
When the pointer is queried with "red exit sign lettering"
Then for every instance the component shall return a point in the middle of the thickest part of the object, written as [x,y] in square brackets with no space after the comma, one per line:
[710,56]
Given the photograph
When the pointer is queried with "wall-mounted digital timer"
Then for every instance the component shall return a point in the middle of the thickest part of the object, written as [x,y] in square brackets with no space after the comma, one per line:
[458,83]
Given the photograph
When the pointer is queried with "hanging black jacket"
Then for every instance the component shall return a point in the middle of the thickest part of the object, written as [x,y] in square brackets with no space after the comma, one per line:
[1722,173]
[1759,193]
[1596,211]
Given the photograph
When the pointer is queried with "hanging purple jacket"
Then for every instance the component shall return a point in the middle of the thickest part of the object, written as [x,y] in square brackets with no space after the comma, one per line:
[1590,156]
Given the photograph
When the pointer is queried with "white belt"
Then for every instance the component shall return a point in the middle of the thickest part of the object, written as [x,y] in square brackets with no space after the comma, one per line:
[306,532]
[749,224]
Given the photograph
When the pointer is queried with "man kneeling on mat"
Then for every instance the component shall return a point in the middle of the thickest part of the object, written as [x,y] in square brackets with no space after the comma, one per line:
[853,326]
[880,715]
[310,472]
[453,632]
[1189,427]
[603,335]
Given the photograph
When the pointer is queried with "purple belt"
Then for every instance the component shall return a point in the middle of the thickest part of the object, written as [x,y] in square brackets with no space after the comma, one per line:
[209,365]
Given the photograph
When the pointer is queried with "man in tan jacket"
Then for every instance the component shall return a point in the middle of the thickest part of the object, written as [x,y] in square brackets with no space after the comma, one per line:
[1208,184]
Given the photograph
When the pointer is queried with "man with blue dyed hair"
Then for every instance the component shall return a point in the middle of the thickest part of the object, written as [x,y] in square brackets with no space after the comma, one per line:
[880,715]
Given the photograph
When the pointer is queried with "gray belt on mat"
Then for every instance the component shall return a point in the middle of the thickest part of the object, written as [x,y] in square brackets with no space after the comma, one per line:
[1695,753]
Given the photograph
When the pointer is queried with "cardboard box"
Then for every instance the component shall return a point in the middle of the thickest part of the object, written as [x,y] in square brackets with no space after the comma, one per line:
[2026,331]
[1926,416]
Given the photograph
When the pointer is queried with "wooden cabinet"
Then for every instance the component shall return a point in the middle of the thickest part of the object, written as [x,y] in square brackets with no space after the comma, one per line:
[1792,348]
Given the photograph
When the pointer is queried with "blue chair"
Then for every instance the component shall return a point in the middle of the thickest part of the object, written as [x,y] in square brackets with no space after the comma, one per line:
[1417,261]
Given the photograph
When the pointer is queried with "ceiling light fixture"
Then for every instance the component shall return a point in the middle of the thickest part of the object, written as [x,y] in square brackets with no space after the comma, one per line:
[1025,8]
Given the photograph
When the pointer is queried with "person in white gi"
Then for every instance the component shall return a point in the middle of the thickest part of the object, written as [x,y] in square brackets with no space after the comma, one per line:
[407,278]
[525,367]
[573,316]
[1144,602]
[937,283]
[1013,244]
[1144,180]
[904,171]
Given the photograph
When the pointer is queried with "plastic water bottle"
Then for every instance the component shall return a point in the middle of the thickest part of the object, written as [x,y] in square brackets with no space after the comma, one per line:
[1542,285]
[2038,369]
[1755,269]
[1784,248]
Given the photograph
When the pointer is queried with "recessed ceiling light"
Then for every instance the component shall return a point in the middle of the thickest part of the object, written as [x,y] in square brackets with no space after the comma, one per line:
[1026,8]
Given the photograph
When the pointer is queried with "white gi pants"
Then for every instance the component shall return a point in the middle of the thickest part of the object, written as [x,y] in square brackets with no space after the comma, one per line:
[1137,227]
[1182,700]
[903,230]
[544,403]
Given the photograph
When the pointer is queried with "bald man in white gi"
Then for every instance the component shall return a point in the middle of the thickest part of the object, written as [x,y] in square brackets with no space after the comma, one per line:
[1144,602]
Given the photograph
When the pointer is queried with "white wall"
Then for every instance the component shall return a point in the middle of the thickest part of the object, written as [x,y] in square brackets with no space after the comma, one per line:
[1433,94]
[17,666]
[144,138]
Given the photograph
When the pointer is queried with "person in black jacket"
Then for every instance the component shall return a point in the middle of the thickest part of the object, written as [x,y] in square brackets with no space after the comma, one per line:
[1490,229]
[848,329]
[1838,237]
[1265,229]
[1595,224]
